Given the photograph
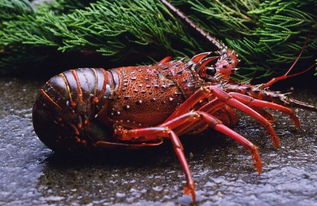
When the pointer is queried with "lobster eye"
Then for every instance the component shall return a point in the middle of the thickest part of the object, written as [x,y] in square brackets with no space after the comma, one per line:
[211,71]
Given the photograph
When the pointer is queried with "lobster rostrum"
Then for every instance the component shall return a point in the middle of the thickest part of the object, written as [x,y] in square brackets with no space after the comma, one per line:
[141,106]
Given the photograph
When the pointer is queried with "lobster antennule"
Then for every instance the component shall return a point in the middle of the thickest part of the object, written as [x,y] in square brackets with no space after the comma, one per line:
[300,104]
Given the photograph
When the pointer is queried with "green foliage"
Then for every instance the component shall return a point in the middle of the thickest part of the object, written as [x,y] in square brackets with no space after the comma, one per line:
[11,8]
[61,7]
[267,35]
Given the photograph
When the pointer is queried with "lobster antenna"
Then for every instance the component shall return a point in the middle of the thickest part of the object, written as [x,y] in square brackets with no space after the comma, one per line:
[296,60]
[285,76]
[193,25]
[300,104]
[298,56]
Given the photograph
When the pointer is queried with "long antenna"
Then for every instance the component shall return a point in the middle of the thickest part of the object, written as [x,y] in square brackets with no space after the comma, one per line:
[193,25]
[300,104]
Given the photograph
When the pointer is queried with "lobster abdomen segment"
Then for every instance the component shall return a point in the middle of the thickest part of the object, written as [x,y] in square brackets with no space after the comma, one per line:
[66,109]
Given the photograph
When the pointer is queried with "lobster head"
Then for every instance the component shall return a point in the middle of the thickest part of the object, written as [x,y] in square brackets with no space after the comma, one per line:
[223,67]
[227,64]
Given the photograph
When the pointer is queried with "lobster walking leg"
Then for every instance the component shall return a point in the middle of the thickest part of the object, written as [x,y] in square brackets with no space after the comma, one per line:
[190,102]
[107,144]
[153,133]
[267,115]
[222,114]
[231,101]
[252,102]
[217,125]
[199,116]
[166,130]
[215,103]
[233,115]
[224,99]
[212,107]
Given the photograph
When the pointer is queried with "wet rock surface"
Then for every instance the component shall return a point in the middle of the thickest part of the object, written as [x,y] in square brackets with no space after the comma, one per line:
[31,174]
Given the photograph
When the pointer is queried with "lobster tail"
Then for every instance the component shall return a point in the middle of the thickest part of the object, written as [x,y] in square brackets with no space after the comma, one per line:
[66,109]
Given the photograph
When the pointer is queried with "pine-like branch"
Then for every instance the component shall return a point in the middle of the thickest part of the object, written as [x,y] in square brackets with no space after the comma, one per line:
[10,9]
[267,35]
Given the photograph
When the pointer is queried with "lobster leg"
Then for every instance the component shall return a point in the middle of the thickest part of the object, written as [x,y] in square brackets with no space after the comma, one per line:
[221,114]
[267,115]
[226,114]
[215,103]
[224,99]
[216,124]
[252,102]
[165,130]
[190,102]
[154,133]
[231,101]
[211,107]
[232,114]
[106,144]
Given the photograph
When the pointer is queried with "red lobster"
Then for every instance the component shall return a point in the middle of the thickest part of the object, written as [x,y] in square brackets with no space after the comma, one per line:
[141,106]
